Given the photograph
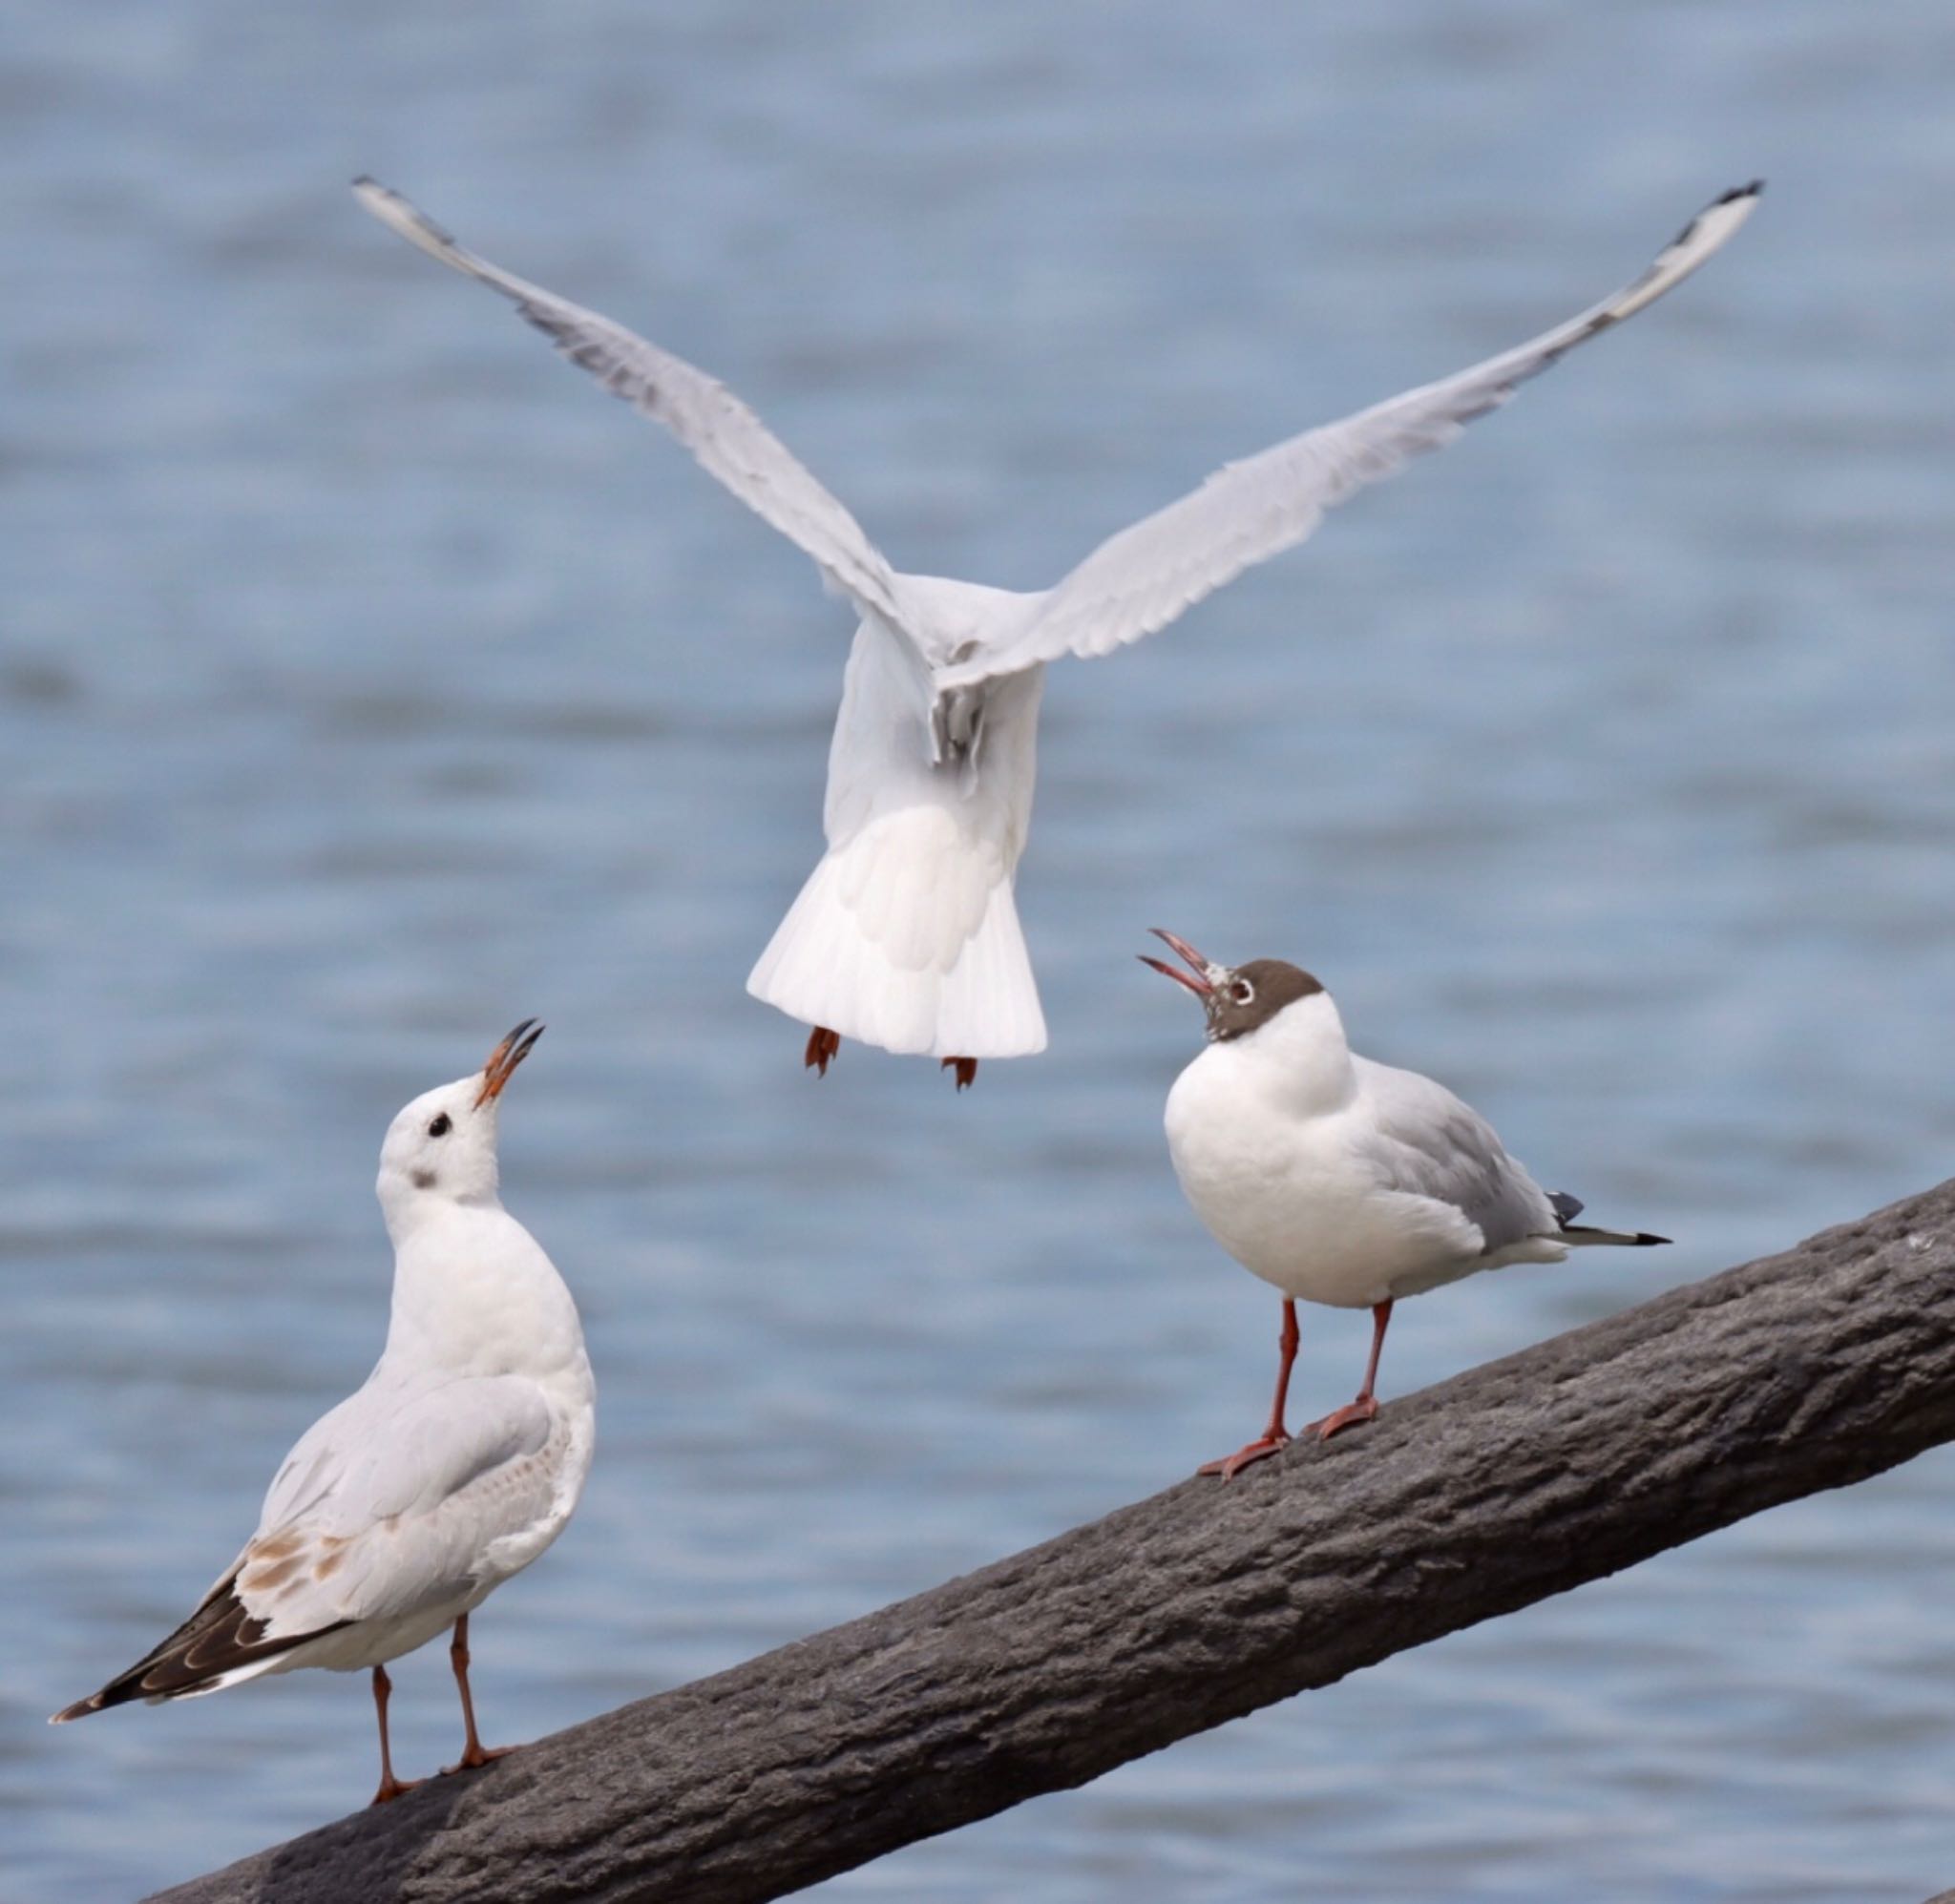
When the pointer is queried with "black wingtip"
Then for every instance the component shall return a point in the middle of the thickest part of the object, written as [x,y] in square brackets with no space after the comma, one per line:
[1730,197]
[1643,1239]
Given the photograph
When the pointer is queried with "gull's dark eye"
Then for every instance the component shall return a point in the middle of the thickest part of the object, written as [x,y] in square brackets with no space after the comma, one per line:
[441,1126]
[1242,992]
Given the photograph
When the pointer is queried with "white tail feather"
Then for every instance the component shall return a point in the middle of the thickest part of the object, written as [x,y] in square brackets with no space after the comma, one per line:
[823,966]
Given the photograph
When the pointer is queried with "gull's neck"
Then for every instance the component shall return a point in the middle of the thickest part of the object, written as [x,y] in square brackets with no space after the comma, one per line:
[410,1212]
[473,1294]
[1299,1062]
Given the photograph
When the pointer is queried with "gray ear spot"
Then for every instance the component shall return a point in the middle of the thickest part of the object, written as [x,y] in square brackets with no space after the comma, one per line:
[424,1179]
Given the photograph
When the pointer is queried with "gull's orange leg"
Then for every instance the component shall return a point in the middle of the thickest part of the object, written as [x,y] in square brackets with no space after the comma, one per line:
[474,1751]
[1366,1406]
[822,1046]
[1275,1435]
[966,1069]
[391,1786]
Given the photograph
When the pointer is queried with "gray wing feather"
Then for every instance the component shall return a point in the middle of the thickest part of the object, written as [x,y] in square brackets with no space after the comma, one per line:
[1430,1143]
[726,438]
[1142,578]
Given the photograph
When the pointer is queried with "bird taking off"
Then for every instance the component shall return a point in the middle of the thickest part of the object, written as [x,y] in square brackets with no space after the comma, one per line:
[452,1467]
[1339,1181]
[906,934]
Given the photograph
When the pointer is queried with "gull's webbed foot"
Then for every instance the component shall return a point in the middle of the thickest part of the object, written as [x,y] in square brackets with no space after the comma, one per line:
[1364,1409]
[1259,1450]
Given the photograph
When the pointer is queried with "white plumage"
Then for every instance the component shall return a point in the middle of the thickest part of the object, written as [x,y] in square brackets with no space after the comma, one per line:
[906,936]
[455,1463]
[1344,1182]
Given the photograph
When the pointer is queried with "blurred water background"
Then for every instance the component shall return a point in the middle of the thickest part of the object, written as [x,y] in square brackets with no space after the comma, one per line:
[368,681]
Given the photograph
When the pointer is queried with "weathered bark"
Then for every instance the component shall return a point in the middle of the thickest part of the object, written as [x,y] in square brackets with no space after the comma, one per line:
[1578,1457]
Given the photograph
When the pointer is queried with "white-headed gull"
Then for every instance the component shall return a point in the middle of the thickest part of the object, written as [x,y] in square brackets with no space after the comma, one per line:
[906,934]
[453,1466]
[1340,1181]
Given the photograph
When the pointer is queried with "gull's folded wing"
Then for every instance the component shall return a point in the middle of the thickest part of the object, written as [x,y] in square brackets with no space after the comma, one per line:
[724,436]
[1423,1141]
[391,1499]
[1142,578]
[385,1504]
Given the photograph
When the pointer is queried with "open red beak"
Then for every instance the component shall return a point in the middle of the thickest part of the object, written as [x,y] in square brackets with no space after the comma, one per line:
[1199,984]
[505,1057]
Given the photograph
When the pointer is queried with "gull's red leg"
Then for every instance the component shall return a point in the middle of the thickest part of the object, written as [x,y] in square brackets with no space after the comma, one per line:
[966,1069]
[822,1046]
[1275,1435]
[474,1751]
[391,1786]
[1366,1406]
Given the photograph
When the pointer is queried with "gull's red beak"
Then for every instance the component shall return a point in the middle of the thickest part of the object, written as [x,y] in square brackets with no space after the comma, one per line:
[1201,985]
[505,1057]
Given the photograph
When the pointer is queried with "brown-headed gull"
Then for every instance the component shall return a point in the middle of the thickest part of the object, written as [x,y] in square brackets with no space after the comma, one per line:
[1340,1181]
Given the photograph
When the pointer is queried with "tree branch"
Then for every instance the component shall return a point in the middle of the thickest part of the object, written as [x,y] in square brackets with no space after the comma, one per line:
[1565,1463]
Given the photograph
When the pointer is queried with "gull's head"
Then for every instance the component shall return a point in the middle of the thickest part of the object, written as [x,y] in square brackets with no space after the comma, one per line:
[1240,1000]
[441,1149]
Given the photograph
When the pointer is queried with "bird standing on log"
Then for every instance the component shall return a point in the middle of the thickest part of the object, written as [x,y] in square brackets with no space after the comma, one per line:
[454,1467]
[1340,1181]
[906,934]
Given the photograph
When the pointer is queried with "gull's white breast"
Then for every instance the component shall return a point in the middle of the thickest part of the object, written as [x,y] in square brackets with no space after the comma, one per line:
[1289,1196]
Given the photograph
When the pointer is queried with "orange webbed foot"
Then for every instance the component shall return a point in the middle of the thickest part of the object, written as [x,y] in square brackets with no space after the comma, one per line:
[1259,1450]
[1364,1409]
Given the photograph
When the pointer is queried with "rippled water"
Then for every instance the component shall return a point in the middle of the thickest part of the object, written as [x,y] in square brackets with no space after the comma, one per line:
[367,683]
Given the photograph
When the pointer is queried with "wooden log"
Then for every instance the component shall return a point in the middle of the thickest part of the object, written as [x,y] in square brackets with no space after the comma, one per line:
[1800,1372]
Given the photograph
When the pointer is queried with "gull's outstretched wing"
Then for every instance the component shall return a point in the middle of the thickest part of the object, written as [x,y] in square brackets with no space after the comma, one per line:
[1142,578]
[724,436]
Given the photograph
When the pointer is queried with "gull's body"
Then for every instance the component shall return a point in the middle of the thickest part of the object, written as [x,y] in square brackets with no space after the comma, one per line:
[1343,1181]
[454,1465]
[1338,1180]
[906,936]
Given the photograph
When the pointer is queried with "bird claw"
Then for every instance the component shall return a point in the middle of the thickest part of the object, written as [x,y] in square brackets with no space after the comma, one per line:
[1364,1409]
[966,1069]
[391,1787]
[822,1046]
[1258,1450]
